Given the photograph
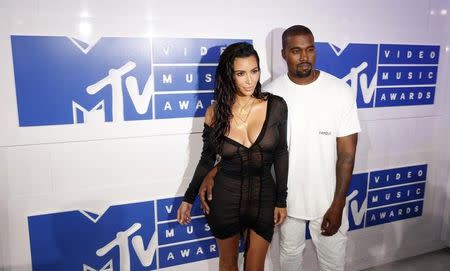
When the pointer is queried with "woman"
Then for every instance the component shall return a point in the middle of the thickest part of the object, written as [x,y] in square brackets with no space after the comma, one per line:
[247,128]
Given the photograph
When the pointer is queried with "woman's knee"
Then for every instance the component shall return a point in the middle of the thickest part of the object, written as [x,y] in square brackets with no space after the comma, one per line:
[228,253]
[229,262]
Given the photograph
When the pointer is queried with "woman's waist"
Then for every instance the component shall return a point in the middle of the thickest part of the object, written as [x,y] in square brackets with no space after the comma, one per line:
[243,172]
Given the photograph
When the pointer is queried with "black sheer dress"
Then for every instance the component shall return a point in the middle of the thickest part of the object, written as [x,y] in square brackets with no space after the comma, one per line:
[245,193]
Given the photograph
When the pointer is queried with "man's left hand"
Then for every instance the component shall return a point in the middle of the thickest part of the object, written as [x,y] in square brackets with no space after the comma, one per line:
[331,221]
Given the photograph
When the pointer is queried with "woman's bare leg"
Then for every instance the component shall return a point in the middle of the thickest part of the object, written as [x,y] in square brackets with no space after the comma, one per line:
[256,253]
[228,253]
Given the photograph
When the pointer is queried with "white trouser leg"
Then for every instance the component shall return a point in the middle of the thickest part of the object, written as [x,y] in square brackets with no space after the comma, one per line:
[330,249]
[292,244]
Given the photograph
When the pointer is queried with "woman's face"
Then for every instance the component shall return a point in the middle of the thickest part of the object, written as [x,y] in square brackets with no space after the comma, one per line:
[245,75]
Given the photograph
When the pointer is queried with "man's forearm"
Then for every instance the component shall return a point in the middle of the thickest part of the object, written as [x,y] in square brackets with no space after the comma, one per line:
[346,149]
[213,172]
[344,169]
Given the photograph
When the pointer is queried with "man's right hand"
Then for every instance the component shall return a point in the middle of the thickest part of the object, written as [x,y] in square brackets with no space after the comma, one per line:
[205,191]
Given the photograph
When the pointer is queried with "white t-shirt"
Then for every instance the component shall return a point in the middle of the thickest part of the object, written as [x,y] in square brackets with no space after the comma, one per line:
[318,113]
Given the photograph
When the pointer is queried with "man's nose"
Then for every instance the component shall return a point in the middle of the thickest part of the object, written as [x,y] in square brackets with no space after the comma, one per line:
[303,56]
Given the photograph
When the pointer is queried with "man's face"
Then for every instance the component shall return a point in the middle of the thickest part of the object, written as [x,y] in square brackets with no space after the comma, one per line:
[300,55]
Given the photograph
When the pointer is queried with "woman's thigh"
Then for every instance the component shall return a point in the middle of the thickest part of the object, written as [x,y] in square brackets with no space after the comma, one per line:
[256,252]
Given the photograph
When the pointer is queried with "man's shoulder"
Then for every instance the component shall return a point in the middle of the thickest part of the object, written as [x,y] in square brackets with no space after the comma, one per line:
[331,78]
[277,85]
[336,84]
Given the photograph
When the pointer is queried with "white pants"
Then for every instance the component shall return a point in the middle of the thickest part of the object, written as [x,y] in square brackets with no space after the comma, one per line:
[330,249]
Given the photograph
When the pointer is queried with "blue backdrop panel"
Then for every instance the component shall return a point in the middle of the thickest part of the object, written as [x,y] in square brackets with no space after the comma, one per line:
[52,72]
[71,240]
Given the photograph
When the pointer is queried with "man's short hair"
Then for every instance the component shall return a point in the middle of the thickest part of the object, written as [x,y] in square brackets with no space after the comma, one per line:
[295,30]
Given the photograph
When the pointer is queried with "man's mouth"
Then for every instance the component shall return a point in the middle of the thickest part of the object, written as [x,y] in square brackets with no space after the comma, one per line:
[304,65]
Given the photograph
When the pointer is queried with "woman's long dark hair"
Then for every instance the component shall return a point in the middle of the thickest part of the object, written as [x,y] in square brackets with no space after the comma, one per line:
[225,89]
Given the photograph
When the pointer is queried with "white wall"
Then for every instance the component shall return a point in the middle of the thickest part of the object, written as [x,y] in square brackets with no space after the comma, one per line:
[49,169]
[444,153]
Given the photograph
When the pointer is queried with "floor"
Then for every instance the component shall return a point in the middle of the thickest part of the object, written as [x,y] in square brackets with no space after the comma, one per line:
[433,261]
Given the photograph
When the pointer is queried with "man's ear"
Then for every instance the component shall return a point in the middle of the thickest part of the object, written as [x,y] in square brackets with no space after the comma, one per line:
[283,54]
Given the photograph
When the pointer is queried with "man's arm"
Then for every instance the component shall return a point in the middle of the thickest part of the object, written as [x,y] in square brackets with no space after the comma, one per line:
[206,188]
[346,149]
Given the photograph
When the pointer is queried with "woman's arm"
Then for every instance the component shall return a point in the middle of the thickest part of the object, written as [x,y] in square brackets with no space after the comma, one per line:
[206,163]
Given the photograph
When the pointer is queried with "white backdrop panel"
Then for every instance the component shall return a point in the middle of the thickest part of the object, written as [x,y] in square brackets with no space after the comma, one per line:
[61,168]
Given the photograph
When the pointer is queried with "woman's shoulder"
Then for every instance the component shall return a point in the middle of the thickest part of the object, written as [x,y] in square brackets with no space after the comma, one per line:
[209,114]
[277,100]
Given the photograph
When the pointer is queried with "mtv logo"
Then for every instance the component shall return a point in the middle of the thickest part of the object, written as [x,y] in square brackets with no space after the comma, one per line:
[357,201]
[355,64]
[58,81]
[107,267]
[82,115]
[124,236]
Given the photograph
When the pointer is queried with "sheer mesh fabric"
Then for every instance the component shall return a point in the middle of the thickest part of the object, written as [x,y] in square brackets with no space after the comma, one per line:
[245,192]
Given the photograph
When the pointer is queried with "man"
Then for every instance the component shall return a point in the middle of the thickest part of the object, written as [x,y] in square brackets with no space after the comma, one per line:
[323,126]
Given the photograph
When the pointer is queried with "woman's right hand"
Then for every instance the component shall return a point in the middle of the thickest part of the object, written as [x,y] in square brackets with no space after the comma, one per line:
[184,213]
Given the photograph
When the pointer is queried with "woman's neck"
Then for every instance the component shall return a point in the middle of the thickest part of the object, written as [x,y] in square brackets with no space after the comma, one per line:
[243,100]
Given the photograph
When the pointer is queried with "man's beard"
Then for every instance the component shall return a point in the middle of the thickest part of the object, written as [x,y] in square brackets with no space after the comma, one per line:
[303,73]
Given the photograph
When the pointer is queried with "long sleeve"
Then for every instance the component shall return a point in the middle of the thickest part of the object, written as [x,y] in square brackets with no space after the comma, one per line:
[281,158]
[206,163]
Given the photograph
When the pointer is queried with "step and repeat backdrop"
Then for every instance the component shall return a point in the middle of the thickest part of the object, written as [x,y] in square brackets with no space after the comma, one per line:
[146,235]
[102,131]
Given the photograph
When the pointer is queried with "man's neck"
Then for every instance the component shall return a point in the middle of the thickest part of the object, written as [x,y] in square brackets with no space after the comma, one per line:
[304,80]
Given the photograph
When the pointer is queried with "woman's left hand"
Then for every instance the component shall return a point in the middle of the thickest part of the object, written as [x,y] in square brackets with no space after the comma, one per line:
[279,215]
